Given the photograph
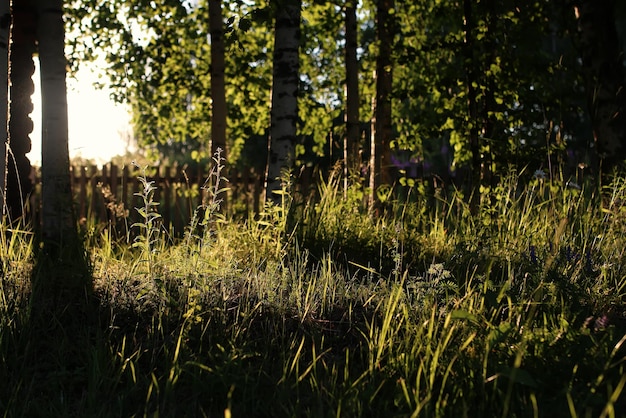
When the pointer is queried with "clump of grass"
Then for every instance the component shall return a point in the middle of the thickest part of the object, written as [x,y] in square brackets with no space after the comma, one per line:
[16,258]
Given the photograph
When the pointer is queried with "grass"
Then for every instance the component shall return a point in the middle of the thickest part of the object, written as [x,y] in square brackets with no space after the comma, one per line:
[319,308]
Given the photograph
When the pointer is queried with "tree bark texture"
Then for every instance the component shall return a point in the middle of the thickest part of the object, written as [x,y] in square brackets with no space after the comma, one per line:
[218,89]
[57,213]
[380,172]
[489,106]
[472,103]
[5,33]
[352,137]
[23,47]
[284,112]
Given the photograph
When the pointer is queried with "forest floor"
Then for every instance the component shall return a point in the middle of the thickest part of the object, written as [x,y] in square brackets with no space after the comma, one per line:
[319,308]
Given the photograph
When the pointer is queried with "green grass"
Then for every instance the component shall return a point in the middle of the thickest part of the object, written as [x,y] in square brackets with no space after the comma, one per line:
[319,308]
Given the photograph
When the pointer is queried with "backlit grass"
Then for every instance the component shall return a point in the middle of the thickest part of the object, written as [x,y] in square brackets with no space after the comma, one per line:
[320,308]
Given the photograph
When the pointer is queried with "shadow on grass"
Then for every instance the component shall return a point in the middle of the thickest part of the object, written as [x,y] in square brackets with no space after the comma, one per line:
[57,335]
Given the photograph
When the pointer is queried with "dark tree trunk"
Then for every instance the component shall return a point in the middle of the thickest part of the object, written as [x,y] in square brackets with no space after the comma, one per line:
[380,172]
[489,107]
[57,212]
[472,103]
[218,87]
[61,282]
[603,70]
[352,138]
[19,184]
[5,41]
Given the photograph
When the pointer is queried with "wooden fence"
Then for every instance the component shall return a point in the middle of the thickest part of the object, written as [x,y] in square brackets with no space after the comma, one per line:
[109,194]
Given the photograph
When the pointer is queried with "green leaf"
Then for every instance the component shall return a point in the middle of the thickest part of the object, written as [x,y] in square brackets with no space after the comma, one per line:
[498,334]
[462,314]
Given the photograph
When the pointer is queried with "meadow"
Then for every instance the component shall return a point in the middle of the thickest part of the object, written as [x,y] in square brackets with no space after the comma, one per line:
[318,307]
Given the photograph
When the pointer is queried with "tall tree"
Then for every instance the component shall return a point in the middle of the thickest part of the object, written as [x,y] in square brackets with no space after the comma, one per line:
[469,43]
[57,212]
[218,86]
[23,47]
[382,128]
[5,33]
[284,111]
[61,280]
[603,69]
[489,107]
[353,132]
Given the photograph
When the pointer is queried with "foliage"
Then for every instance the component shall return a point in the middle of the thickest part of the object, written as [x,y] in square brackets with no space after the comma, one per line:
[518,60]
[158,60]
[530,99]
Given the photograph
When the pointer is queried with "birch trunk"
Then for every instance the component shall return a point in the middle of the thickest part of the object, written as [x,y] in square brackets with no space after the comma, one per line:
[284,112]
[61,281]
[57,213]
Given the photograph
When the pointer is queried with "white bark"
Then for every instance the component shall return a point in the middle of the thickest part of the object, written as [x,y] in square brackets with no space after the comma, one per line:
[57,213]
[284,112]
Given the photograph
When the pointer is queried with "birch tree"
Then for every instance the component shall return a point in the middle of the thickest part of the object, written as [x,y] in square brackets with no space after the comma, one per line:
[61,281]
[57,214]
[5,32]
[284,111]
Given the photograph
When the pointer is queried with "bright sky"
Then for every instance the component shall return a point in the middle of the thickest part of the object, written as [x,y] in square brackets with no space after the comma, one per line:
[98,128]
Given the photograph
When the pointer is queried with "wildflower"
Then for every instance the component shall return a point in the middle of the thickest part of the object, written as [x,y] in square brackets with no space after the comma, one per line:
[596,323]
[539,174]
[533,254]
[601,323]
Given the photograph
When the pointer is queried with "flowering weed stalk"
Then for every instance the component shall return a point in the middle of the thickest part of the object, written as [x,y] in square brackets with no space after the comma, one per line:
[148,228]
[207,215]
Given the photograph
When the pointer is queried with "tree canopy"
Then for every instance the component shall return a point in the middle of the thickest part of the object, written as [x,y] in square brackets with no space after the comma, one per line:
[476,88]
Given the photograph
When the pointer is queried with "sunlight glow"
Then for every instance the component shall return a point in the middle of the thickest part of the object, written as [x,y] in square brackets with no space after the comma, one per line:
[98,128]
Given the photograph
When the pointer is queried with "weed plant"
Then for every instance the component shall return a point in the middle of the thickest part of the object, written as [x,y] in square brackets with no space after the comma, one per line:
[423,310]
